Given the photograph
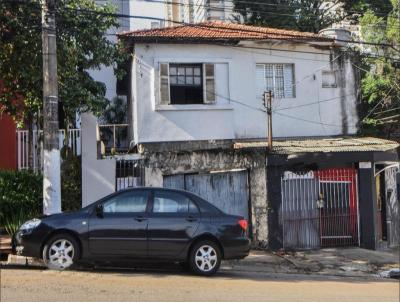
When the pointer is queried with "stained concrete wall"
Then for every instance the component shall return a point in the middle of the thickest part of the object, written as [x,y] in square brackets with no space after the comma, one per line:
[159,164]
[98,175]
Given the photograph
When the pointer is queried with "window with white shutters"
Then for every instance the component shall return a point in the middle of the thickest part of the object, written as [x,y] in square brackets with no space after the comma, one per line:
[279,78]
[164,84]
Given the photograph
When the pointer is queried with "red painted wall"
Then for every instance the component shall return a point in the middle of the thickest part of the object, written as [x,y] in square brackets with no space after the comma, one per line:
[8,143]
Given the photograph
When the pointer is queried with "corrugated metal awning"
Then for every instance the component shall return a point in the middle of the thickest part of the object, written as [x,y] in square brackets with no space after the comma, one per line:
[324,145]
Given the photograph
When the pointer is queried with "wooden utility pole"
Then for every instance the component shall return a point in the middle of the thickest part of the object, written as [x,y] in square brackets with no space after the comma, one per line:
[51,151]
[268,106]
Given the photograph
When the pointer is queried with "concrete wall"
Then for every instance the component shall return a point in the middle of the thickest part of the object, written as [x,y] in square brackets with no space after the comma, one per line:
[98,176]
[133,8]
[170,163]
[8,143]
[145,9]
[215,11]
[228,119]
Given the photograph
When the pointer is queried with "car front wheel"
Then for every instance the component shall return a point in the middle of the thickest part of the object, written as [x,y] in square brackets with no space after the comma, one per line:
[61,252]
[205,258]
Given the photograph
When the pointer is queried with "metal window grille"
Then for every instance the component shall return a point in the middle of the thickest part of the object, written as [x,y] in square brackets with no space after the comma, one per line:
[129,174]
[279,78]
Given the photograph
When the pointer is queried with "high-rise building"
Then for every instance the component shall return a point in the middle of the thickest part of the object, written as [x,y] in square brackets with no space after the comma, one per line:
[195,11]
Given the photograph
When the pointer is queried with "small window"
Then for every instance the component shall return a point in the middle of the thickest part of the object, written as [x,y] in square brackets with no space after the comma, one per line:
[172,202]
[183,84]
[186,85]
[127,202]
[329,79]
[278,78]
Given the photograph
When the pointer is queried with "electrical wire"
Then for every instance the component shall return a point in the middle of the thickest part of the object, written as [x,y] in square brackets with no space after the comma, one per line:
[214,27]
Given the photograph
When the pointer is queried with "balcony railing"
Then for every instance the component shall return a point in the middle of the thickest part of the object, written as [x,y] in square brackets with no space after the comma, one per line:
[74,143]
[114,139]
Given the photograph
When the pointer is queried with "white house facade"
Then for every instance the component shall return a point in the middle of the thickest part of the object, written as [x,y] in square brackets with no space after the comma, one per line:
[197,122]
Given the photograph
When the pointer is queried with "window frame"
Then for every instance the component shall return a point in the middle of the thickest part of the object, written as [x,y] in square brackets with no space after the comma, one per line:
[274,65]
[206,100]
[175,214]
[109,197]
[330,72]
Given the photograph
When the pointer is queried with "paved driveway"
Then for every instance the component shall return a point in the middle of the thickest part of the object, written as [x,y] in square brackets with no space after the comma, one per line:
[144,285]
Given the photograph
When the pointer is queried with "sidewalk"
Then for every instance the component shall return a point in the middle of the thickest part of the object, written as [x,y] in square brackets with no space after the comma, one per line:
[342,262]
[347,262]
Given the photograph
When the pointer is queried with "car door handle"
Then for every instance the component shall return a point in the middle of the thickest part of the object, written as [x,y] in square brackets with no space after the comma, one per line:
[191,219]
[140,218]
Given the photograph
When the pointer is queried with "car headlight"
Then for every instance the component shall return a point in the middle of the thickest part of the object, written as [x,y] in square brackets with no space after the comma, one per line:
[30,224]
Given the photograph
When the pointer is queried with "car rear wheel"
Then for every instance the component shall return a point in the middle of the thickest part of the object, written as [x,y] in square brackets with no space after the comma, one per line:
[205,258]
[61,252]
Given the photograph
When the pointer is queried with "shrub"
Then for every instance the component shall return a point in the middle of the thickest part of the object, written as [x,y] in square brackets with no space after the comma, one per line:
[20,197]
[71,183]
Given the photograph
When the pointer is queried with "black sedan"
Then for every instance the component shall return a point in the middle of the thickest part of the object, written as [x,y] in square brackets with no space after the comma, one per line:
[141,223]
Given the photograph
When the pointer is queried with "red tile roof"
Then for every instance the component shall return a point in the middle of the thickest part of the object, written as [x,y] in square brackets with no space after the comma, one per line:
[219,31]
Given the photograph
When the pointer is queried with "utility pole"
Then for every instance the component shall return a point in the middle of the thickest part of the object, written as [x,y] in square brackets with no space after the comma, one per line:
[268,106]
[51,156]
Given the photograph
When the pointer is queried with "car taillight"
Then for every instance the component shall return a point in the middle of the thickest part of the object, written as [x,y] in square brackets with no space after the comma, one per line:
[243,224]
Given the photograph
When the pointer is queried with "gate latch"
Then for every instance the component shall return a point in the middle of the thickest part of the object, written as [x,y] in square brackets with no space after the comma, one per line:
[320,201]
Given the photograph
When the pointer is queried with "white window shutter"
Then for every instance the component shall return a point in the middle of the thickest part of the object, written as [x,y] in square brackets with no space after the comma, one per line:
[260,80]
[164,84]
[288,80]
[209,83]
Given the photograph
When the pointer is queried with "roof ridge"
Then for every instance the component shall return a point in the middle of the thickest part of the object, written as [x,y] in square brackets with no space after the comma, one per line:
[217,30]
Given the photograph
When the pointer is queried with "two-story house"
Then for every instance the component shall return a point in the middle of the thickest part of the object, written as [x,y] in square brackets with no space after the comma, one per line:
[197,121]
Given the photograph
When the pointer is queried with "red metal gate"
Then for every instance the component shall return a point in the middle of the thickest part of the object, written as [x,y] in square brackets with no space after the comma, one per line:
[320,208]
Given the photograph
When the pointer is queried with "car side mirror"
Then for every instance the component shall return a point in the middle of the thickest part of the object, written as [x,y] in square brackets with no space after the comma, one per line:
[99,210]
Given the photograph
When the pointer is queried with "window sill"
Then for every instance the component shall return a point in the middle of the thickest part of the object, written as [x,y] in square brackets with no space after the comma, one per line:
[192,107]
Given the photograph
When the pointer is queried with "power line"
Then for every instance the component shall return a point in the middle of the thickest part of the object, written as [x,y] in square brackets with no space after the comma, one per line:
[313,103]
[204,25]
[309,121]
[238,10]
[274,5]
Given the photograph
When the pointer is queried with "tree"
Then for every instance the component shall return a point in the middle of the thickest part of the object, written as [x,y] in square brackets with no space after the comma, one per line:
[304,15]
[381,76]
[82,45]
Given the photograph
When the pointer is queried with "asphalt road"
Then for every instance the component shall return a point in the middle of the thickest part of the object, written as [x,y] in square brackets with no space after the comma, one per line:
[144,285]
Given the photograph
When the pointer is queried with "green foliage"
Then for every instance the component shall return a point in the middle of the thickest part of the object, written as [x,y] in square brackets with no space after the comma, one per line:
[81,46]
[381,77]
[305,15]
[115,112]
[14,220]
[71,183]
[20,197]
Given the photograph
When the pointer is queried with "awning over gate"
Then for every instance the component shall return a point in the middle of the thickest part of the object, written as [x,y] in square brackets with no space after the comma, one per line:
[317,150]
[314,145]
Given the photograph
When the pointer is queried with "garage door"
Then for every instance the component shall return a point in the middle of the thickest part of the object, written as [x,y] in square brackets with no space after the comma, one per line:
[229,191]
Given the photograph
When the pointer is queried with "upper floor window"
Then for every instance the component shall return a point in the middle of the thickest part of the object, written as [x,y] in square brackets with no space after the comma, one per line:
[182,84]
[279,78]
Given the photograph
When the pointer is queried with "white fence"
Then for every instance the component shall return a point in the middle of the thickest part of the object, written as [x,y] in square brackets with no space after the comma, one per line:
[74,142]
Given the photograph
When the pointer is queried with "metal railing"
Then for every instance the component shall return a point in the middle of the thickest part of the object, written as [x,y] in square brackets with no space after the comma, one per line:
[114,137]
[36,147]
[129,174]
